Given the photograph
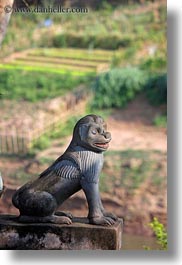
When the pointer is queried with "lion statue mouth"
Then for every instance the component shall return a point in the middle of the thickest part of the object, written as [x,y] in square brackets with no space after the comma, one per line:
[102,145]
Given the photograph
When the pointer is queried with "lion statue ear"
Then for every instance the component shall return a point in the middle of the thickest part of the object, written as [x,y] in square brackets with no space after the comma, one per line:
[83,130]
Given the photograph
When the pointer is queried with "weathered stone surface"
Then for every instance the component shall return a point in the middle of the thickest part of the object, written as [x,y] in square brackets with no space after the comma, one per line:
[78,236]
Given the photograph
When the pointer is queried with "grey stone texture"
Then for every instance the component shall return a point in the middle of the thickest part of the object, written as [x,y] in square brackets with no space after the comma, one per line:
[80,235]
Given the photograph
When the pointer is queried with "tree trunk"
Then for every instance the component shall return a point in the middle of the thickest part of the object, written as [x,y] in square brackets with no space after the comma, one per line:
[5,13]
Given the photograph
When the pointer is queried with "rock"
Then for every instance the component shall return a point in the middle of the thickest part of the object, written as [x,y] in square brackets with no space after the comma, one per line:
[77,236]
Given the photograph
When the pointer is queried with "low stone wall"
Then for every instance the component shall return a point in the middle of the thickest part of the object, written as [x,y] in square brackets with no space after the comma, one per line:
[78,236]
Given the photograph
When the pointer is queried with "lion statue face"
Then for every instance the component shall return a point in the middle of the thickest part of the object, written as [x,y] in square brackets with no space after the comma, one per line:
[91,133]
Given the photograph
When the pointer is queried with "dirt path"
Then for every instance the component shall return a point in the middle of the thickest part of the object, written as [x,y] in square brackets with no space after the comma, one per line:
[132,128]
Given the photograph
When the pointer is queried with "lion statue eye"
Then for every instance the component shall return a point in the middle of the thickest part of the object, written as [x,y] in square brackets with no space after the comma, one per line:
[94,132]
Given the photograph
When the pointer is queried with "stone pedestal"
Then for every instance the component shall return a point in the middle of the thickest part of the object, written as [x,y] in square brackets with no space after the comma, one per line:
[78,236]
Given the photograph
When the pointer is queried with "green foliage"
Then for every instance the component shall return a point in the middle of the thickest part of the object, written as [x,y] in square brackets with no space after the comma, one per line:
[116,87]
[64,129]
[130,52]
[60,131]
[110,41]
[160,121]
[122,56]
[34,86]
[104,5]
[154,64]
[156,89]
[45,69]
[41,143]
[116,60]
[160,233]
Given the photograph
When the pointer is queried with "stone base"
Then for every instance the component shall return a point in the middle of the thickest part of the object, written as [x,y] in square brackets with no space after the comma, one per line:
[78,236]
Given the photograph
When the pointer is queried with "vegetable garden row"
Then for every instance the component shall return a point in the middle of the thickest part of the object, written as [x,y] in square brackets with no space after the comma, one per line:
[76,61]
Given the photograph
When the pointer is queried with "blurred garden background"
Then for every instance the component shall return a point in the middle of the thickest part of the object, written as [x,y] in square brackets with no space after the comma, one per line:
[108,58]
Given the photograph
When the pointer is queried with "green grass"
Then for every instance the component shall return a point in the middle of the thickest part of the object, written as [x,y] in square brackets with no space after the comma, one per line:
[160,121]
[34,86]
[60,131]
[65,129]
[41,143]
[53,66]
[129,169]
[44,69]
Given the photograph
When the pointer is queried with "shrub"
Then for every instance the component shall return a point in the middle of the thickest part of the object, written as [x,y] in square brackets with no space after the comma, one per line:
[64,129]
[102,41]
[160,233]
[41,143]
[160,121]
[156,89]
[61,131]
[116,87]
[154,64]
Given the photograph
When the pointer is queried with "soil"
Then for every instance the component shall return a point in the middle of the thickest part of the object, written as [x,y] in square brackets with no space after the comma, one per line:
[132,129]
